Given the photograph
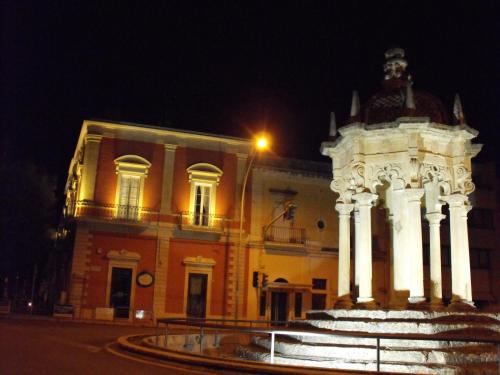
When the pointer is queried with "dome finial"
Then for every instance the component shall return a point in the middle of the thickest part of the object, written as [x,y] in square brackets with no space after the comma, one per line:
[410,101]
[355,104]
[395,64]
[458,111]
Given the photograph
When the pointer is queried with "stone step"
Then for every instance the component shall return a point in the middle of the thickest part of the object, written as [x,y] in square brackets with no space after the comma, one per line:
[399,327]
[398,314]
[460,355]
[334,339]
[251,353]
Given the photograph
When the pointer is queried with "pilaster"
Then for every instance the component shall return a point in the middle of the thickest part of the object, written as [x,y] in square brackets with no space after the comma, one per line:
[168,173]
[90,161]
[160,285]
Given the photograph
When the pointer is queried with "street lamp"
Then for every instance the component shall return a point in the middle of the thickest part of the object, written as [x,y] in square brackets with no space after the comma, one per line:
[261,143]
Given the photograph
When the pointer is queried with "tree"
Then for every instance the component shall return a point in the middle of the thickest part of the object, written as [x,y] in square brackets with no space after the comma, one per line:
[27,200]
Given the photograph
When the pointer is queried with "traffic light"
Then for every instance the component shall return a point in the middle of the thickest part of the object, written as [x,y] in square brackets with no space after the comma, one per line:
[290,212]
[255,280]
[264,280]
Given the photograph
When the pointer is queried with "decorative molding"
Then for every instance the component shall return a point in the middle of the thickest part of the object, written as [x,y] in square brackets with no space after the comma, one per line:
[199,262]
[132,164]
[123,255]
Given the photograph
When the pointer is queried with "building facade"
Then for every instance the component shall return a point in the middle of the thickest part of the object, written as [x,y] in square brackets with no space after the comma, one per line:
[154,214]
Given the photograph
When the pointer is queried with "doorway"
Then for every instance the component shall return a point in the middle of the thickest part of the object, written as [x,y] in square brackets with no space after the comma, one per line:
[197,295]
[121,285]
[279,307]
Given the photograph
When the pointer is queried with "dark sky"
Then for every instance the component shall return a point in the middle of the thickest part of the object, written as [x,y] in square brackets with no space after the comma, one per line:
[232,68]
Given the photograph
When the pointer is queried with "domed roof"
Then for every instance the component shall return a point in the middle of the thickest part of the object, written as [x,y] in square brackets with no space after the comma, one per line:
[388,105]
[397,97]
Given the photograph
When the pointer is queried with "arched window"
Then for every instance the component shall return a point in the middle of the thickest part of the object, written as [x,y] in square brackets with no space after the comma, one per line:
[131,171]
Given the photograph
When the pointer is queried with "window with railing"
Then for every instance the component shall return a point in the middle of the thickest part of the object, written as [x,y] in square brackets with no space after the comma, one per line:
[289,235]
[201,209]
[128,203]
[131,171]
[204,179]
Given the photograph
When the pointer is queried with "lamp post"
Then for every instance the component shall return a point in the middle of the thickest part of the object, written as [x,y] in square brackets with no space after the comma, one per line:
[261,144]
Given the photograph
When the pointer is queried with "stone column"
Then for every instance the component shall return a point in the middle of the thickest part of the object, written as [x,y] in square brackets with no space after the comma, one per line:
[344,263]
[357,257]
[434,220]
[364,235]
[414,243]
[398,218]
[460,261]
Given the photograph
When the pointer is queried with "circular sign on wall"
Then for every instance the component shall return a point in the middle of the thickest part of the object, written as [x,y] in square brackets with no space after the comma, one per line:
[145,279]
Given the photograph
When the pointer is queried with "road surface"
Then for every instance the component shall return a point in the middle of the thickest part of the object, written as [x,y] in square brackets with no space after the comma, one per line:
[31,346]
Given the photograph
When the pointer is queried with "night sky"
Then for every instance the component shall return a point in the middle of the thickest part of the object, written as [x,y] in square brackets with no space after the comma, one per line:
[232,68]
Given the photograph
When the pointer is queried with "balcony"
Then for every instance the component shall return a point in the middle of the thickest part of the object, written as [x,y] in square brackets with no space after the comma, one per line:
[201,223]
[285,238]
[113,212]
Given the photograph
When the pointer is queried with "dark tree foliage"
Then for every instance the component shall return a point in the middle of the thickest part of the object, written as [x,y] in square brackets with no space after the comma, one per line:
[27,200]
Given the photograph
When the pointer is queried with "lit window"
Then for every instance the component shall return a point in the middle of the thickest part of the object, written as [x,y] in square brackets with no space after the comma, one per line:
[128,203]
[131,170]
[204,179]
[202,204]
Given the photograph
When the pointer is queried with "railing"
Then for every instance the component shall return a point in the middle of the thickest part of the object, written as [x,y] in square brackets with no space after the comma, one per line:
[289,235]
[198,221]
[264,327]
[116,212]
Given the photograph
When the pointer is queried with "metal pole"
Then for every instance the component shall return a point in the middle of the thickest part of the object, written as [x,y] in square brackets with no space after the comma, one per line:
[166,336]
[272,347]
[157,331]
[201,338]
[378,353]
[238,249]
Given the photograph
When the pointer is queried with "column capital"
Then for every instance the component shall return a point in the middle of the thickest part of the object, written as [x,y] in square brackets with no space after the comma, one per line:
[344,208]
[170,147]
[455,200]
[93,137]
[364,199]
[414,195]
[434,218]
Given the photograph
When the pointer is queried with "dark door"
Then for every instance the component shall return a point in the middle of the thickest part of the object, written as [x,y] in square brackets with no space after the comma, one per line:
[197,295]
[279,306]
[121,283]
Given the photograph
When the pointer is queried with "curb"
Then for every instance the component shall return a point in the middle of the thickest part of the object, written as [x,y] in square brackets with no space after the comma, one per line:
[227,363]
[49,318]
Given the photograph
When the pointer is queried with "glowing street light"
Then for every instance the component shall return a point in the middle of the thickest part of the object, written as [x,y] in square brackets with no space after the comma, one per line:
[261,143]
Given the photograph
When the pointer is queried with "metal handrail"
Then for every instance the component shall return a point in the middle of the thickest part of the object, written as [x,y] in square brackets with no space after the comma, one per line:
[190,219]
[115,212]
[202,324]
[290,235]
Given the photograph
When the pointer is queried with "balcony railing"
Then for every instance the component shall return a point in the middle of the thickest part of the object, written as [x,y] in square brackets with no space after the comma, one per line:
[289,235]
[204,222]
[115,212]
